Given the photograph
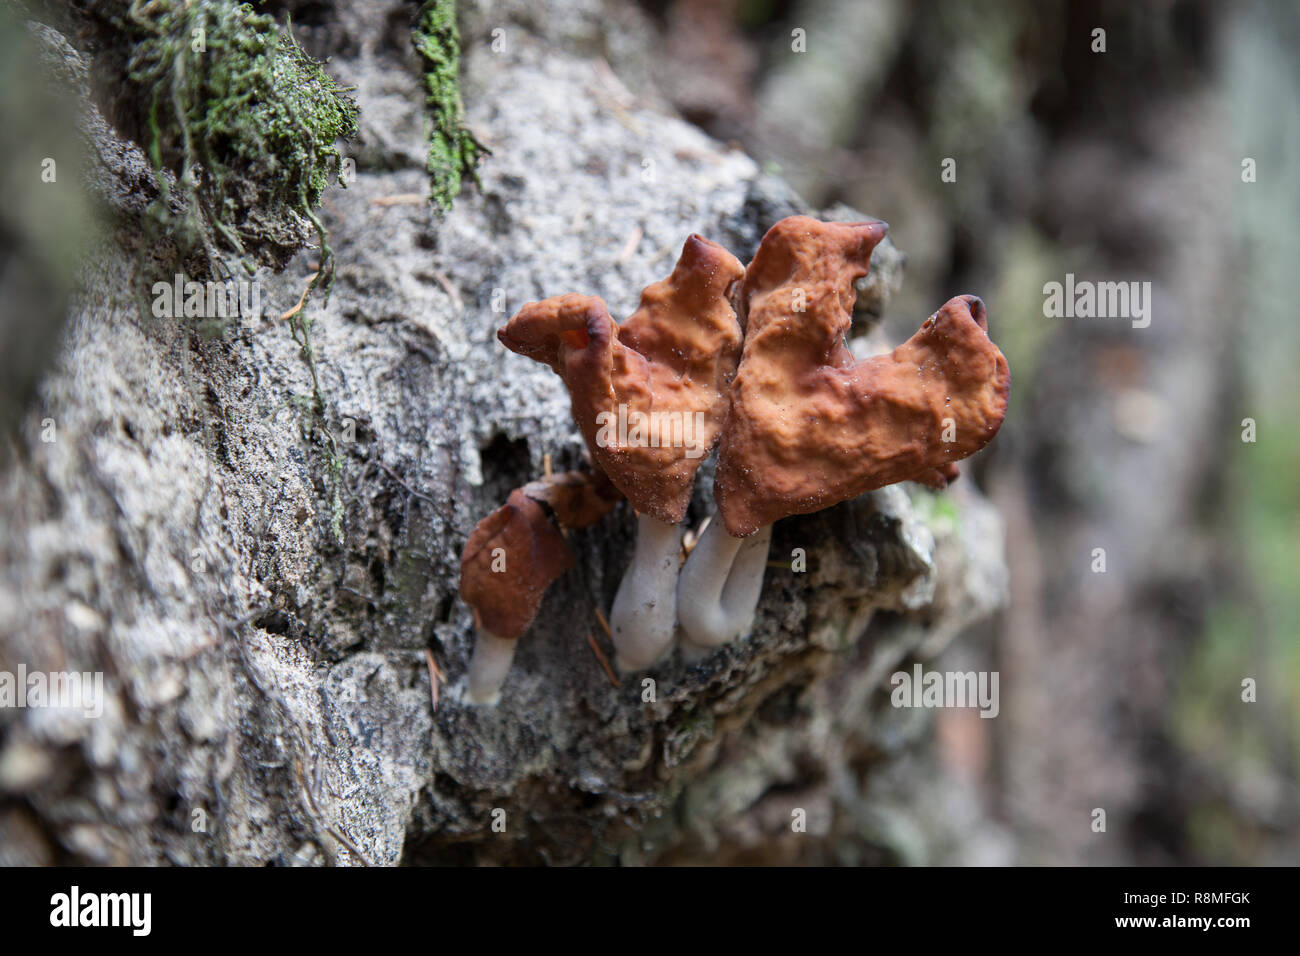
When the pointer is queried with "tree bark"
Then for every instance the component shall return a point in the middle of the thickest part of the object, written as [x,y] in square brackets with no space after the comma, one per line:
[269,591]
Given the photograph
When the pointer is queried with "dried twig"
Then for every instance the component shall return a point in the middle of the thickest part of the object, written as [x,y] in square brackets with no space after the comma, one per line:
[604,661]
[397,478]
[435,676]
[629,247]
[398,199]
[456,303]
[311,281]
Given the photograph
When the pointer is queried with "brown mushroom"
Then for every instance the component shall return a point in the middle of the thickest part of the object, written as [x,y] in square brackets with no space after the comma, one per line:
[511,557]
[578,499]
[649,397]
[810,426]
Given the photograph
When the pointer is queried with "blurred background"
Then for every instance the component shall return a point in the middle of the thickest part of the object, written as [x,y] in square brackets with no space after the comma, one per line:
[1164,149]
[1149,654]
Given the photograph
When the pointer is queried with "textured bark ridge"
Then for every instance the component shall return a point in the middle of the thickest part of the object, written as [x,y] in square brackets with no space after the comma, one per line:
[267,592]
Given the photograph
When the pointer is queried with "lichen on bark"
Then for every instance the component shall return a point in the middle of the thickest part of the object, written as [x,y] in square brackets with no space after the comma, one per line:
[284,652]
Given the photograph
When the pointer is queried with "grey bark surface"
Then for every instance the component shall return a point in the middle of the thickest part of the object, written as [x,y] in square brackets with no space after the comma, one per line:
[268,695]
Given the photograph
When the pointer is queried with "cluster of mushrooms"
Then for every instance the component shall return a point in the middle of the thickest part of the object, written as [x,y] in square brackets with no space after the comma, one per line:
[757,357]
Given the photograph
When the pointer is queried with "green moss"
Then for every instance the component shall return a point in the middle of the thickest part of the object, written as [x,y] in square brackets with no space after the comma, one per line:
[454,153]
[935,510]
[246,119]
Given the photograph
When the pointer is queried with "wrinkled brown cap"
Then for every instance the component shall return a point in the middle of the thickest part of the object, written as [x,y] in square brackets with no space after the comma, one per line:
[810,426]
[677,353]
[535,554]
[578,499]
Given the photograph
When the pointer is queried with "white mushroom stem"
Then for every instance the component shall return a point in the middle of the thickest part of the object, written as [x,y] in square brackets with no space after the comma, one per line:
[644,616]
[488,667]
[719,587]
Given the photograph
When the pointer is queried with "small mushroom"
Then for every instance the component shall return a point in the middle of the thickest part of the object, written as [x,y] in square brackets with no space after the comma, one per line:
[810,426]
[511,557]
[649,397]
[578,499]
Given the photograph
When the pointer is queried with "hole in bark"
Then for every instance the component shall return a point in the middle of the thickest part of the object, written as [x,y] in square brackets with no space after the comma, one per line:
[506,465]
[273,622]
